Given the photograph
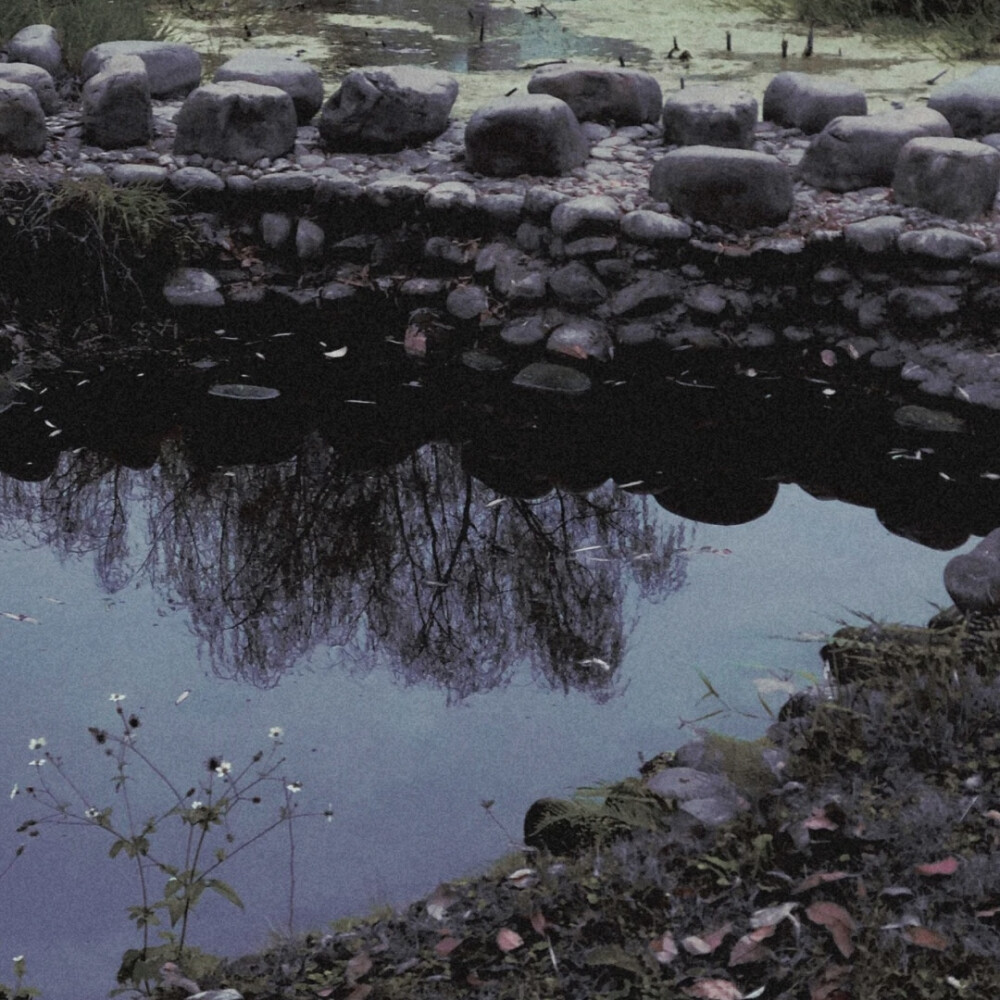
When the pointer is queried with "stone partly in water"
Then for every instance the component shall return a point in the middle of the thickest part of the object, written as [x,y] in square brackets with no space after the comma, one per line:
[972,103]
[243,391]
[192,286]
[174,69]
[549,378]
[298,79]
[710,116]
[810,102]
[973,579]
[920,418]
[600,93]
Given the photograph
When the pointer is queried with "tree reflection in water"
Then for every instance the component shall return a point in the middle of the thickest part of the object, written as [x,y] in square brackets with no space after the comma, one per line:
[419,566]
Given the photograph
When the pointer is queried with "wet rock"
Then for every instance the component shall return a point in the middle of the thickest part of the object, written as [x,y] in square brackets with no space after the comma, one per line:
[196,180]
[38,45]
[858,151]
[236,120]
[971,104]
[651,293]
[922,305]
[22,121]
[591,214]
[422,288]
[39,79]
[527,331]
[337,291]
[397,190]
[387,108]
[467,302]
[730,187]
[451,196]
[516,282]
[441,248]
[138,174]
[287,187]
[590,246]
[755,337]
[920,418]
[956,178]
[539,201]
[710,798]
[174,69]
[117,110]
[309,240]
[536,134]
[545,377]
[298,79]
[531,238]
[654,228]
[636,333]
[973,579]
[809,102]
[275,229]
[940,244]
[710,115]
[504,209]
[480,361]
[576,285]
[981,394]
[193,287]
[601,93]
[581,338]
[707,300]
[877,235]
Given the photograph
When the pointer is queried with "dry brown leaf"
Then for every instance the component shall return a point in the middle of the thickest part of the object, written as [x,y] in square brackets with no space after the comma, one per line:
[837,921]
[539,922]
[714,989]
[664,948]
[705,944]
[772,915]
[508,940]
[830,983]
[818,820]
[924,937]
[446,946]
[819,878]
[946,866]
[358,967]
[360,992]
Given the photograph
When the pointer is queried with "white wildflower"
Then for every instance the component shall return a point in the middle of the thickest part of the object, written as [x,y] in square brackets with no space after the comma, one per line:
[92,813]
[37,743]
[14,790]
[117,697]
[275,732]
[294,786]
[37,762]
[223,768]
[197,804]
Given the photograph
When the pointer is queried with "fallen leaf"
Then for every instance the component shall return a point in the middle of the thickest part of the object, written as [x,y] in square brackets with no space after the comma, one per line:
[946,866]
[828,986]
[508,940]
[19,617]
[358,967]
[828,358]
[986,914]
[749,947]
[771,915]
[714,989]
[538,922]
[664,948]
[818,820]
[360,992]
[924,937]
[446,946]
[819,878]
[439,901]
[523,878]
[837,921]
[706,943]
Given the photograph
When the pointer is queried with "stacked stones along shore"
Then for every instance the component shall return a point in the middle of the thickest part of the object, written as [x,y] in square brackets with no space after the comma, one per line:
[682,220]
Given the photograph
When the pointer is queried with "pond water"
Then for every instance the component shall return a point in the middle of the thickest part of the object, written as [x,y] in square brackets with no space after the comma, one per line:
[394,578]
[493,45]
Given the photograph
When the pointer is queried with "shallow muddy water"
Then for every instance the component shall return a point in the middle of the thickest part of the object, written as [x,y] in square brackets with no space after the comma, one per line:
[493,45]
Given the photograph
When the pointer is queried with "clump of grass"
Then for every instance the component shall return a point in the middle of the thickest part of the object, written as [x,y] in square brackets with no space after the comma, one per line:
[81,23]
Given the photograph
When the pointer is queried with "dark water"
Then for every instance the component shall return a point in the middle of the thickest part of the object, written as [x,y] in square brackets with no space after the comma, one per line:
[441,590]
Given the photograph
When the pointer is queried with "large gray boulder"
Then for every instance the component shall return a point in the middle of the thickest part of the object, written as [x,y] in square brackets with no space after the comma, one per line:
[174,69]
[298,79]
[39,79]
[711,116]
[22,121]
[973,579]
[387,108]
[116,105]
[729,187]
[957,178]
[236,120]
[37,44]
[535,134]
[857,151]
[809,102]
[601,93]
[971,104]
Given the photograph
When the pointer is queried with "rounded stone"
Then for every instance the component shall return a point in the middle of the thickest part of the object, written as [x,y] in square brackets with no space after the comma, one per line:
[467,302]
[542,376]
[956,178]
[710,115]
[298,79]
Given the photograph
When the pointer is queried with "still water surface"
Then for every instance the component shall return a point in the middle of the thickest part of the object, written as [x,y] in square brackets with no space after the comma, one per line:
[402,724]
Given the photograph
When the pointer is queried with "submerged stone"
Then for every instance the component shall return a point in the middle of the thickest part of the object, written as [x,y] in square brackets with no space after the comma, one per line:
[921,418]
[544,376]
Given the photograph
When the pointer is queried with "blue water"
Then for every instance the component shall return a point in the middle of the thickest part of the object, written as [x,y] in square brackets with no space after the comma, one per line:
[403,761]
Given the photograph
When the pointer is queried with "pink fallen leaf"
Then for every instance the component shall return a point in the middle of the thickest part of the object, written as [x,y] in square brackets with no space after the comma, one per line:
[749,948]
[818,820]
[538,922]
[358,967]
[772,915]
[664,948]
[828,358]
[705,944]
[819,878]
[360,992]
[446,946]
[837,921]
[508,940]
[946,866]
[830,984]
[924,937]
[714,989]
